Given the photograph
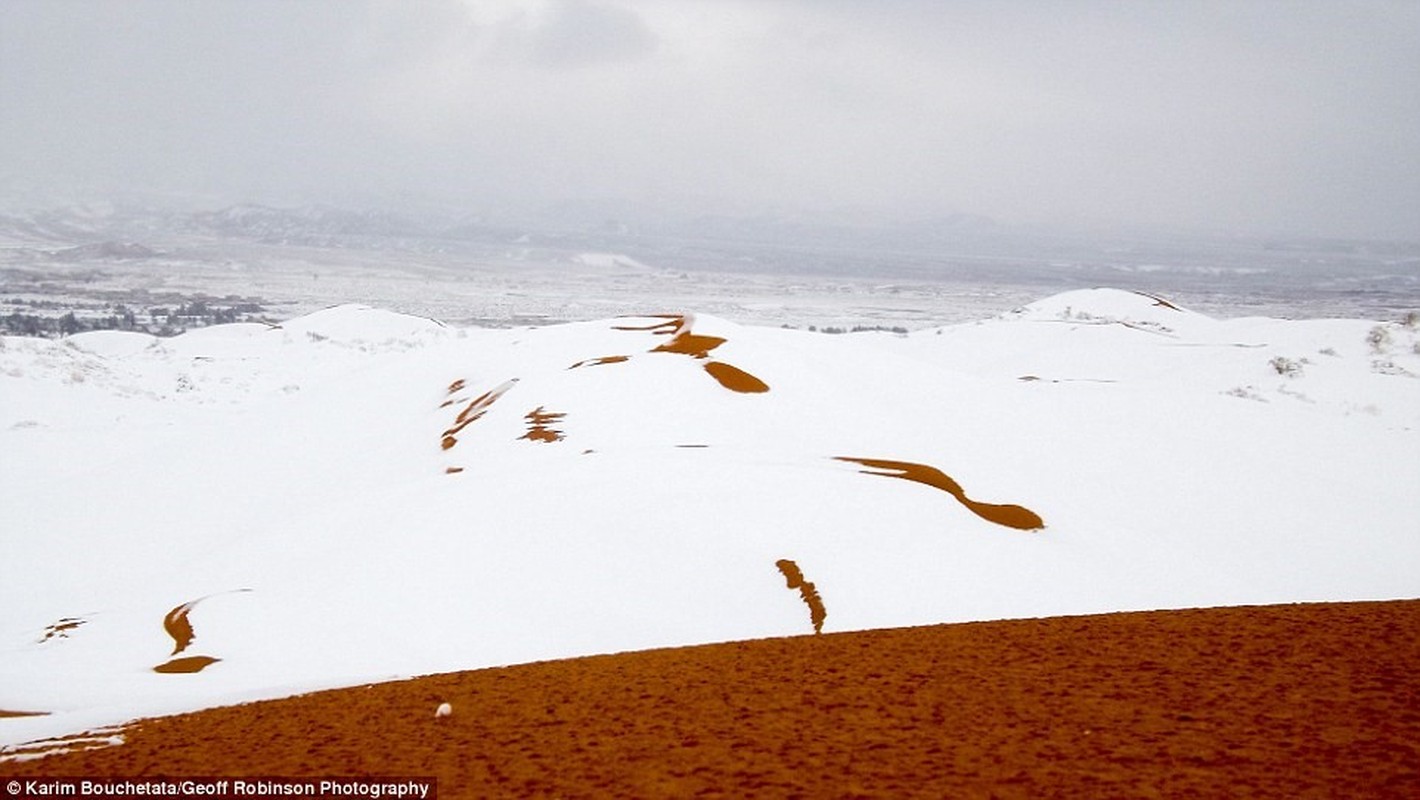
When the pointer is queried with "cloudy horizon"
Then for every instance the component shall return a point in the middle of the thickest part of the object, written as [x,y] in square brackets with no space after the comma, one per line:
[1257,118]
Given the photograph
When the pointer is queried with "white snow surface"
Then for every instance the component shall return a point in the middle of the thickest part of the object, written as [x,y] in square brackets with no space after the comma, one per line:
[294,480]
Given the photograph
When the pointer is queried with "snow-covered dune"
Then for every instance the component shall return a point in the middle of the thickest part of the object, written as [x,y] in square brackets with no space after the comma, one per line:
[250,511]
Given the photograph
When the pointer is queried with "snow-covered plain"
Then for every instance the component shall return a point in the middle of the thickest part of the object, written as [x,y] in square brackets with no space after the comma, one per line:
[356,495]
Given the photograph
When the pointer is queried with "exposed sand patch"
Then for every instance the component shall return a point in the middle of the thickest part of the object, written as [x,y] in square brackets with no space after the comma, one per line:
[471,412]
[687,343]
[540,422]
[807,591]
[1158,301]
[8,713]
[1011,516]
[593,362]
[179,627]
[1259,702]
[186,664]
[670,324]
[734,378]
[690,344]
[61,629]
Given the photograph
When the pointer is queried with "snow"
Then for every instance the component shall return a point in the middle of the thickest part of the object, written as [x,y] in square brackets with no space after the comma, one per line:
[296,480]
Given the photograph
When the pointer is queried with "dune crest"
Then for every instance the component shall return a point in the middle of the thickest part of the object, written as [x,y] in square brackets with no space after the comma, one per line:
[686,342]
[1011,516]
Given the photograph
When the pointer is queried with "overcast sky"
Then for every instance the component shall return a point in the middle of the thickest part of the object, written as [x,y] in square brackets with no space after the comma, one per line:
[1253,117]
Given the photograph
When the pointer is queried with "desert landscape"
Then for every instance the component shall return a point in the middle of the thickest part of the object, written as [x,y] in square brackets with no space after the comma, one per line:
[618,398]
[1128,550]
[1285,701]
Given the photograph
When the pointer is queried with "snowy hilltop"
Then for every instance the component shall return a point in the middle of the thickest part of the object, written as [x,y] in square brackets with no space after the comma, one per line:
[255,510]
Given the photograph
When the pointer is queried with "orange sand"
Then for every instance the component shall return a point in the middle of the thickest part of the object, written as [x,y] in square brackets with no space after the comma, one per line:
[540,422]
[474,410]
[795,580]
[670,323]
[1301,701]
[593,362]
[186,664]
[61,628]
[178,626]
[1011,516]
[690,344]
[685,342]
[734,378]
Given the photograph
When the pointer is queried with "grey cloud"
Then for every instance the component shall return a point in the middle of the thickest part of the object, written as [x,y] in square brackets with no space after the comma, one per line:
[1296,117]
[582,34]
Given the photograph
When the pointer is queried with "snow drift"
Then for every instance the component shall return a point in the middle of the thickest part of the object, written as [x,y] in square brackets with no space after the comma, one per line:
[357,495]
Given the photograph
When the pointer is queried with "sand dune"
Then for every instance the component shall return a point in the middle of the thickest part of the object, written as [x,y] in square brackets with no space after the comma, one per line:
[1275,701]
[684,341]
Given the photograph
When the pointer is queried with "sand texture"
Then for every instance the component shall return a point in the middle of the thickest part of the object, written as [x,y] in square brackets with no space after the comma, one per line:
[1290,701]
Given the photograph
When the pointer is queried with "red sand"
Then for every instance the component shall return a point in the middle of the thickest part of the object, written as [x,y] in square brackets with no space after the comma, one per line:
[473,411]
[1011,516]
[1302,701]
[735,379]
[186,664]
[540,422]
[61,628]
[687,343]
[794,579]
[178,626]
[596,362]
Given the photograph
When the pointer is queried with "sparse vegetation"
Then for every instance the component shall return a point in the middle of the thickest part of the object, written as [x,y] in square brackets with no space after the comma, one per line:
[1286,367]
[1378,338]
[156,321]
[898,329]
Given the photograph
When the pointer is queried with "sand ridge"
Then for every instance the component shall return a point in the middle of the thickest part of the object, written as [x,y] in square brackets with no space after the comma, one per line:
[1262,702]
[684,341]
[1011,516]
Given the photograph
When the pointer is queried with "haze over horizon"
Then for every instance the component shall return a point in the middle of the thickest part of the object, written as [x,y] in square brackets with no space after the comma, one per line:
[1261,118]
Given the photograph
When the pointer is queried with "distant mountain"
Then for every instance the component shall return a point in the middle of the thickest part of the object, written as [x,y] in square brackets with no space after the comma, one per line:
[308,224]
[104,250]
